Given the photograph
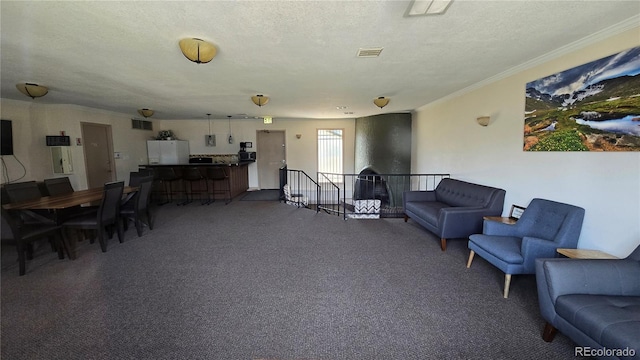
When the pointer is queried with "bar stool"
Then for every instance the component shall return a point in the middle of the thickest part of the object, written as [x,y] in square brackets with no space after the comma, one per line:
[190,175]
[219,175]
[167,176]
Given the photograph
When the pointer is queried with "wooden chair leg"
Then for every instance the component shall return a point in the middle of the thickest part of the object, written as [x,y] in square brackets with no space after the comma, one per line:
[549,332]
[507,283]
[443,244]
[471,254]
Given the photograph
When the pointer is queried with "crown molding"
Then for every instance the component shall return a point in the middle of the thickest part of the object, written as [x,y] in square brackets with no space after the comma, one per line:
[630,23]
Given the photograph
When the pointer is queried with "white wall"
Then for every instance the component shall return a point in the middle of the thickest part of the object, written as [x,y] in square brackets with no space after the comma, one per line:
[32,121]
[301,153]
[446,138]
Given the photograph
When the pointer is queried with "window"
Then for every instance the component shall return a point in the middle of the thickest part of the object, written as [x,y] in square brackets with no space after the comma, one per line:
[330,153]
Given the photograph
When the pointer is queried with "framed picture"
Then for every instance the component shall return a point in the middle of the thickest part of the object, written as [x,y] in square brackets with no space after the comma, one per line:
[591,107]
[516,212]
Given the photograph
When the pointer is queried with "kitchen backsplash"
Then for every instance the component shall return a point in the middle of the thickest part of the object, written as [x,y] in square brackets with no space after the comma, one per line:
[219,158]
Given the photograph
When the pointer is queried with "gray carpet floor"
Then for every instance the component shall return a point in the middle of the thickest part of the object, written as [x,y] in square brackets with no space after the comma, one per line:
[265,280]
[261,195]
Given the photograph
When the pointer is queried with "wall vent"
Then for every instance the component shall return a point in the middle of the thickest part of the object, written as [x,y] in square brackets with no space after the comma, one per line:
[369,52]
[141,124]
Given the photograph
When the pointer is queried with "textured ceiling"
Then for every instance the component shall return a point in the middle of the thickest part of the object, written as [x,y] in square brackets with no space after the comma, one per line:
[124,55]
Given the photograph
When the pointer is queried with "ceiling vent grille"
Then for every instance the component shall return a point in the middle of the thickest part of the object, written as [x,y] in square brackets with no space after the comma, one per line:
[141,124]
[369,52]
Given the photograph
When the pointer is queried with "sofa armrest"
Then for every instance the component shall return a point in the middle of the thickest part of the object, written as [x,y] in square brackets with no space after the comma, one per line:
[497,228]
[418,196]
[459,221]
[557,277]
[591,276]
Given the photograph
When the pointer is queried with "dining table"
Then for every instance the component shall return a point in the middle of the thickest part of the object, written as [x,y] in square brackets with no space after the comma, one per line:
[57,203]
[64,201]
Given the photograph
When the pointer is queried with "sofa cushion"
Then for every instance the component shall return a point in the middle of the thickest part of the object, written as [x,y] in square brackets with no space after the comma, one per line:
[507,249]
[426,210]
[461,193]
[611,321]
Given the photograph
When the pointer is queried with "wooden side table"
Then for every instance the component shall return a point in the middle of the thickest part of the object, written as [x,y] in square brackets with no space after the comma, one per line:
[502,219]
[585,254]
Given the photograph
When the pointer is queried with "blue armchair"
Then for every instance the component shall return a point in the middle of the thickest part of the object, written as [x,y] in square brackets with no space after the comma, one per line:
[543,227]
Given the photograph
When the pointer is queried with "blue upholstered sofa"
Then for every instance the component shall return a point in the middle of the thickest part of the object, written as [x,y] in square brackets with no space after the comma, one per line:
[596,303]
[455,209]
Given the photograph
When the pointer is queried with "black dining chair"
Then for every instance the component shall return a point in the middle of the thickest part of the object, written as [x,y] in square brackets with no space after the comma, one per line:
[107,215]
[138,209]
[25,191]
[58,186]
[24,235]
[62,186]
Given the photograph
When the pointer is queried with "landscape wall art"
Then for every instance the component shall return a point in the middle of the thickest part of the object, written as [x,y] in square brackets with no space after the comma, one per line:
[592,107]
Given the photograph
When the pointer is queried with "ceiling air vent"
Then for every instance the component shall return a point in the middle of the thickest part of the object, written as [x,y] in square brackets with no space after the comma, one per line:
[141,124]
[369,52]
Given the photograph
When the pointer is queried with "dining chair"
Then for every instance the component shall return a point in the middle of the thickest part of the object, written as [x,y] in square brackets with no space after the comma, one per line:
[107,215]
[24,235]
[544,227]
[62,186]
[25,191]
[58,186]
[138,208]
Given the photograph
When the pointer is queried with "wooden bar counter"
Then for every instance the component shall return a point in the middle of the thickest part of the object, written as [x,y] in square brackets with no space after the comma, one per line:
[238,175]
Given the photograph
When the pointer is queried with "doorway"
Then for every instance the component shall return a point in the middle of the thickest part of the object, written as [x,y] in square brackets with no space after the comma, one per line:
[98,150]
[271,156]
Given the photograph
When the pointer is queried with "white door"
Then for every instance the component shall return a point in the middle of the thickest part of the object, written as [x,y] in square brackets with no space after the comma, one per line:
[271,156]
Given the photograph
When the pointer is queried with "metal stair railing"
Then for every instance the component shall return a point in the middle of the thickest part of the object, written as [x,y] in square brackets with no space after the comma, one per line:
[388,189]
[303,190]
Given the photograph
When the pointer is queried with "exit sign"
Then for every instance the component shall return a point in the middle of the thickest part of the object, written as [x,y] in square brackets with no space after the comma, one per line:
[268,119]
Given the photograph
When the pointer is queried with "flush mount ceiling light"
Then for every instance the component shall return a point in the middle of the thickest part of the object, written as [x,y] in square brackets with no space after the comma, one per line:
[32,90]
[146,112]
[429,7]
[197,50]
[260,100]
[381,101]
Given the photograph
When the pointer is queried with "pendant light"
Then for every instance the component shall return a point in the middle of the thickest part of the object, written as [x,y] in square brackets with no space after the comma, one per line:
[230,136]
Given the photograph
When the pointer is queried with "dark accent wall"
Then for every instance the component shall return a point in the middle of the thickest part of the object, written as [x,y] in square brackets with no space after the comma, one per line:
[383,142]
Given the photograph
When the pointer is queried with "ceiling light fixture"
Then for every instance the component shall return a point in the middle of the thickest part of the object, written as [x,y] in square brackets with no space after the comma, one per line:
[429,7]
[32,90]
[381,101]
[146,112]
[260,100]
[197,50]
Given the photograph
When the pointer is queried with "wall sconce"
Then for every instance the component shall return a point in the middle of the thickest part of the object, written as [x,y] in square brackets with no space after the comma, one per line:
[197,50]
[32,90]
[146,112]
[381,101]
[298,136]
[260,100]
[483,120]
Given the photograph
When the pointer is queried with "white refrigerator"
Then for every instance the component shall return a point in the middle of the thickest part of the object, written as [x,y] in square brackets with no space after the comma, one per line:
[168,152]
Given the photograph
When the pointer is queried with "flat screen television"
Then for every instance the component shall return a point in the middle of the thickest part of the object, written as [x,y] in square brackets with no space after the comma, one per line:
[6,138]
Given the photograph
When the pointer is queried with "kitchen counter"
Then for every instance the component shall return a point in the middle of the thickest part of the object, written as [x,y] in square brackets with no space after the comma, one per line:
[238,175]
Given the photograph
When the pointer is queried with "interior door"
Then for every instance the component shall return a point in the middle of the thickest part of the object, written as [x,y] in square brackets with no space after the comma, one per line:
[271,156]
[98,147]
